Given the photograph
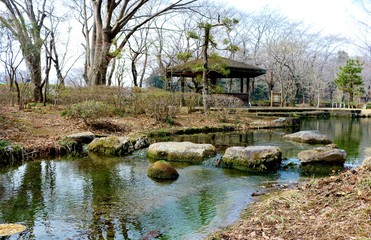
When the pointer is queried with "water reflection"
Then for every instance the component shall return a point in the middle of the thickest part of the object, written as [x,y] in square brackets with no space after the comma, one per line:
[351,134]
[112,198]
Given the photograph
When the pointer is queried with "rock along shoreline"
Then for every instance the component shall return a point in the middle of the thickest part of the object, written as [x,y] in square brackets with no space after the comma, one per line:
[16,153]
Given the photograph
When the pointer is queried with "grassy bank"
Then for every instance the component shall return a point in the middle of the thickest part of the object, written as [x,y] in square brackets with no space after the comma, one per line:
[39,129]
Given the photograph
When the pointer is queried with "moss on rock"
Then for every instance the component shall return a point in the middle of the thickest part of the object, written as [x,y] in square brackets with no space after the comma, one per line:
[118,146]
[111,146]
[10,153]
[162,170]
[252,158]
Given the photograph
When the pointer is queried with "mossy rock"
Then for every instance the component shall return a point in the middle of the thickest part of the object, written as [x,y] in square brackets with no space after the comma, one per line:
[139,140]
[319,169]
[162,170]
[75,143]
[117,146]
[10,153]
[111,146]
[252,158]
[181,151]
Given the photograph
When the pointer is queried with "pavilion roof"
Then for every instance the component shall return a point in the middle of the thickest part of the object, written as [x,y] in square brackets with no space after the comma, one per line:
[236,69]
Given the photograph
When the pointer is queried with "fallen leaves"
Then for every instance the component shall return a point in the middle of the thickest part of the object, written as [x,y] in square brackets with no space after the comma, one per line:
[336,207]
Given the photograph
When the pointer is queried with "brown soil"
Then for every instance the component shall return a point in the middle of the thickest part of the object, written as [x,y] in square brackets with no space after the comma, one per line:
[337,207]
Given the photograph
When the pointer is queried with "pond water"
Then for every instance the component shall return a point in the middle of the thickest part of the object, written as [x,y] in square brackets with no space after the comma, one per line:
[112,198]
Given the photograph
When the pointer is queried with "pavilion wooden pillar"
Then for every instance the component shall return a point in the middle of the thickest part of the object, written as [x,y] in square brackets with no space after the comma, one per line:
[241,85]
[182,89]
[248,91]
[214,81]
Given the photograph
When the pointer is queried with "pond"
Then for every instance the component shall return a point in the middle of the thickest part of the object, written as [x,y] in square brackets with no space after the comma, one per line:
[112,198]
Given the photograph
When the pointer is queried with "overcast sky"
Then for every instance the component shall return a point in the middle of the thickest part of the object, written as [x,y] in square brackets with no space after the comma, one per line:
[333,16]
[329,16]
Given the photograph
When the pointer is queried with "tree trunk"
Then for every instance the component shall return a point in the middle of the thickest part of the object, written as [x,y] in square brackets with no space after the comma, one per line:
[134,71]
[110,75]
[144,68]
[205,70]
[99,68]
[101,44]
[34,66]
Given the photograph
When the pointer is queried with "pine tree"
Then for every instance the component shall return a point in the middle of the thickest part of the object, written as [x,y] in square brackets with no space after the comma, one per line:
[349,79]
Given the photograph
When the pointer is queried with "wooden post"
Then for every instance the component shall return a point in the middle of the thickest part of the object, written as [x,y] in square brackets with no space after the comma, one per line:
[248,91]
[182,89]
[241,85]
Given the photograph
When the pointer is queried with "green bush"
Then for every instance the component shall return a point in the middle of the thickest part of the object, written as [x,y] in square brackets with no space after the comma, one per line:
[368,105]
[90,111]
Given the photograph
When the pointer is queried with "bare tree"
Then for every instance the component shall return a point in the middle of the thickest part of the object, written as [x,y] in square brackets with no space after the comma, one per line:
[139,46]
[25,20]
[11,58]
[113,17]
[82,11]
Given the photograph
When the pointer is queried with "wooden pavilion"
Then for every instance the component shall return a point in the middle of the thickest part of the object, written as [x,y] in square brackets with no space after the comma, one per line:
[240,71]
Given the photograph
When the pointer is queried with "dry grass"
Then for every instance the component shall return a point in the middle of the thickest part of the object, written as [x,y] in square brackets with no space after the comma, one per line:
[44,126]
[337,207]
[38,129]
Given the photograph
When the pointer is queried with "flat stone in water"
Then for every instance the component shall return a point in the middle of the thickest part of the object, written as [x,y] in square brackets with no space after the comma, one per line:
[312,137]
[181,151]
[251,157]
[323,154]
[8,229]
[82,137]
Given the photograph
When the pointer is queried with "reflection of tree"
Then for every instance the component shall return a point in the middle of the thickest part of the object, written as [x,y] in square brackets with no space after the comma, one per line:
[102,196]
[199,209]
[349,136]
[104,181]
[206,207]
[24,203]
[345,132]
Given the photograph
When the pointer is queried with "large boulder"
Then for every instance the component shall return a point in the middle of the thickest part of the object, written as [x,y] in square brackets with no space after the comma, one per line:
[75,142]
[117,146]
[162,170]
[82,137]
[252,158]
[328,154]
[181,151]
[9,152]
[312,137]
[139,141]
